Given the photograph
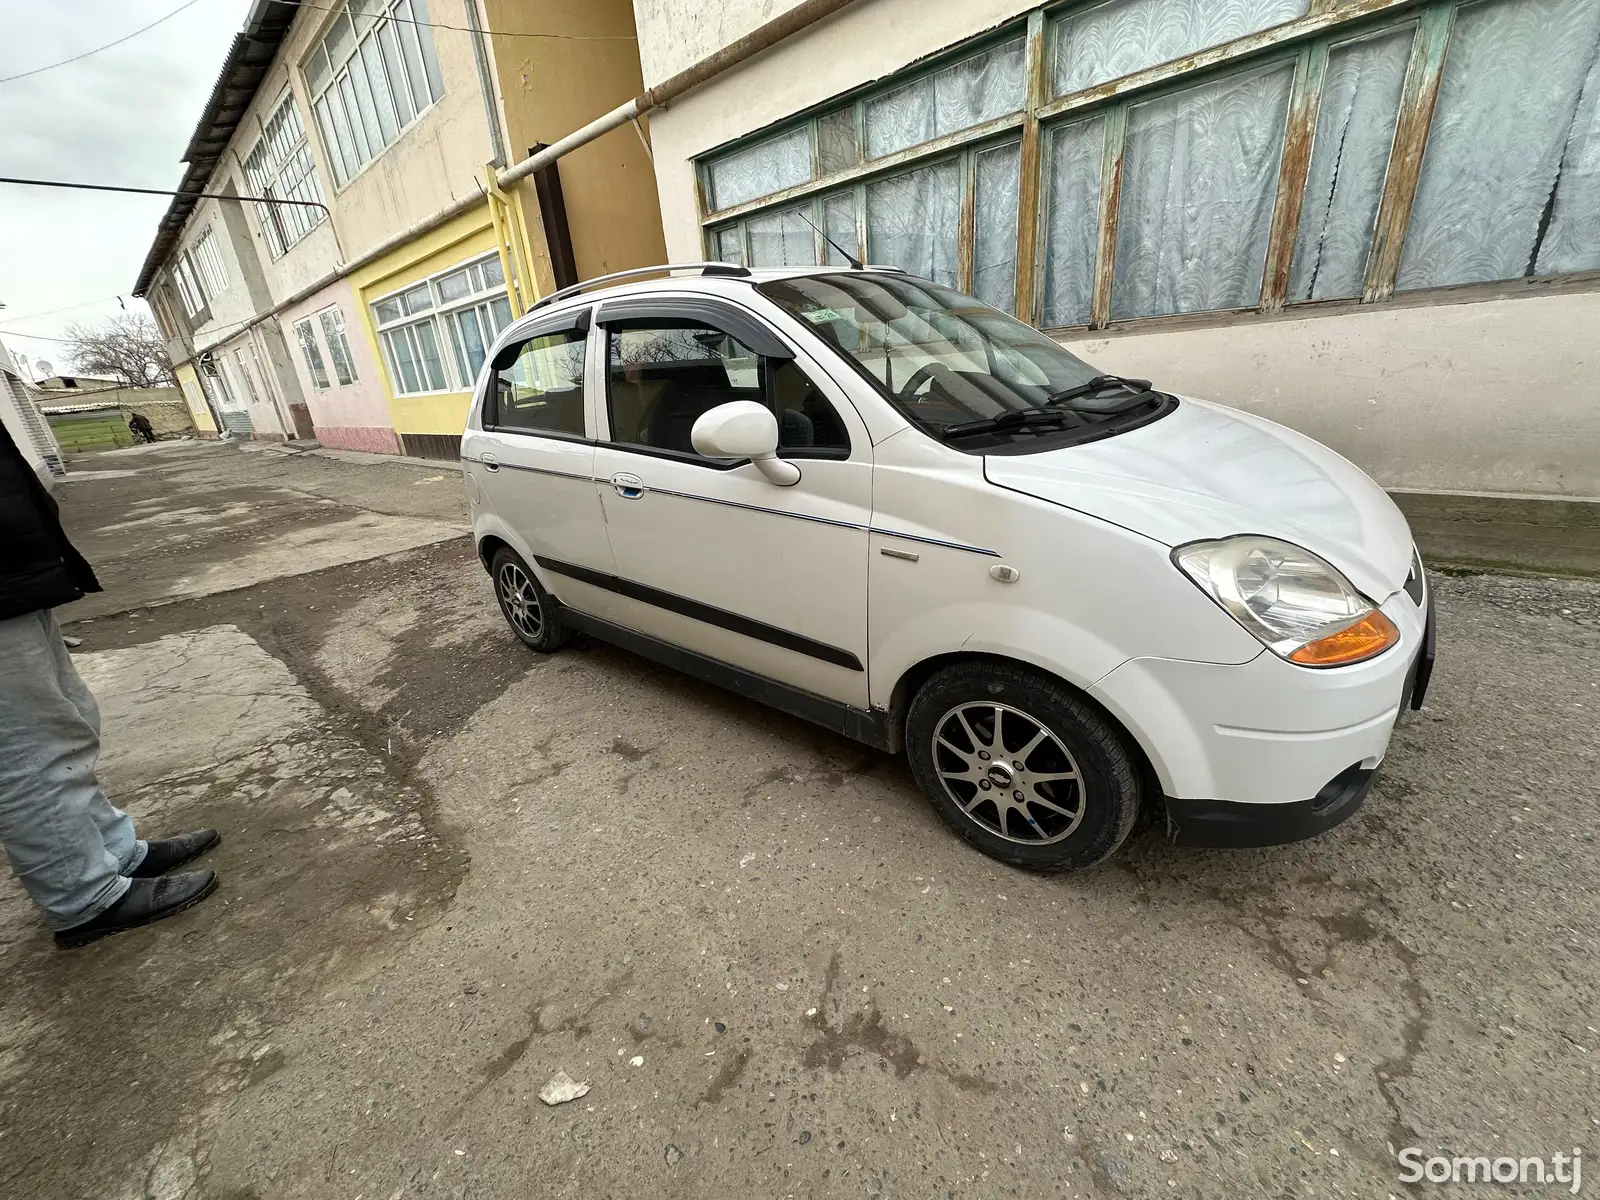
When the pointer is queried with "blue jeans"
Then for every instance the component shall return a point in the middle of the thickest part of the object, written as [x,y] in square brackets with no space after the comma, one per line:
[68,845]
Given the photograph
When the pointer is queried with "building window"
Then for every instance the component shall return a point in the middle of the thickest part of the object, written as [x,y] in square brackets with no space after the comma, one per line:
[280,167]
[206,263]
[194,300]
[1261,179]
[332,321]
[371,75]
[436,334]
[1107,41]
[1510,182]
[306,336]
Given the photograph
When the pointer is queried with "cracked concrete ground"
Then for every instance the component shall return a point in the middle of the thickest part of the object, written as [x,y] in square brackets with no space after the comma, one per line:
[453,867]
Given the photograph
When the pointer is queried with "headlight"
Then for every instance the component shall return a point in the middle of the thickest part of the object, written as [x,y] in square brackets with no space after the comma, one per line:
[1301,608]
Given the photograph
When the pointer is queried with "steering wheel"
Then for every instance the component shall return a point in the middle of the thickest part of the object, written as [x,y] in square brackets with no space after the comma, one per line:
[920,376]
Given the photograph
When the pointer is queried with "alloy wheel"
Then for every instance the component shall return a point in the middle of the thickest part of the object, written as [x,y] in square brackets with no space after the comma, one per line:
[520,600]
[1008,773]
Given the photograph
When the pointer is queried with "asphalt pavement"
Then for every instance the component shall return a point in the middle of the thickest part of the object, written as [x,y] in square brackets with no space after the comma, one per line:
[453,868]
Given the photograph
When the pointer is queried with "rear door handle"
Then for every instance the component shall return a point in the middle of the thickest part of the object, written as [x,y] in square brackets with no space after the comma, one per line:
[629,486]
[490,462]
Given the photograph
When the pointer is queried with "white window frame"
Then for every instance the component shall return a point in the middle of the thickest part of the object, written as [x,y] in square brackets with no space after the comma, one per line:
[280,166]
[441,316]
[190,292]
[206,260]
[371,76]
[331,321]
[305,337]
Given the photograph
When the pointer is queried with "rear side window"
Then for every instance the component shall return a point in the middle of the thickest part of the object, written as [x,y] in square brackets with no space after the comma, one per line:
[542,389]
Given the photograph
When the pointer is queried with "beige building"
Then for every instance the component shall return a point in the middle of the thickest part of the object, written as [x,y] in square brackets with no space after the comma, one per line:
[1376,221]
[357,308]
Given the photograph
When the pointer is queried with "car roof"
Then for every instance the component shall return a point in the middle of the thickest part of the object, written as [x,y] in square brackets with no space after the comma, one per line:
[730,281]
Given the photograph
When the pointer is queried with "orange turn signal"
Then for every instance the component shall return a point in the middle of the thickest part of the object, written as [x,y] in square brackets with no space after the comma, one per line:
[1373,634]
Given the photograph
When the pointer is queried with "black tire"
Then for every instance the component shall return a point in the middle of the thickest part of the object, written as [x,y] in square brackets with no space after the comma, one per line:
[536,620]
[1061,823]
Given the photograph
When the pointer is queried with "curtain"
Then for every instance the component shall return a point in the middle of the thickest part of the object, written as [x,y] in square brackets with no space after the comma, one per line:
[965,94]
[1072,231]
[730,246]
[1349,160]
[836,140]
[782,239]
[912,221]
[1199,173]
[1124,36]
[760,170]
[994,241]
[839,219]
[1510,182]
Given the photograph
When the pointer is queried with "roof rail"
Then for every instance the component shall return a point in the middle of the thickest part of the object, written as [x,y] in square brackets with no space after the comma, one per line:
[704,268]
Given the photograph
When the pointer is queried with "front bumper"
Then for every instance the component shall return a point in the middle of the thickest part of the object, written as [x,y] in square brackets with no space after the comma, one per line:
[1239,749]
[1222,824]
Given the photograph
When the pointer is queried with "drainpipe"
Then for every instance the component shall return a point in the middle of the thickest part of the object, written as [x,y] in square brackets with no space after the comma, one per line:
[480,54]
[764,37]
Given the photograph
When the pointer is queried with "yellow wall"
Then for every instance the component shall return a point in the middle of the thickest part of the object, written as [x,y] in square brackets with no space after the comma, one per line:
[194,397]
[550,86]
[470,235]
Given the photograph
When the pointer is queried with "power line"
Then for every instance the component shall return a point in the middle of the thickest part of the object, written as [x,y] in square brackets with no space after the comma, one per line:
[569,37]
[112,187]
[107,46]
[64,308]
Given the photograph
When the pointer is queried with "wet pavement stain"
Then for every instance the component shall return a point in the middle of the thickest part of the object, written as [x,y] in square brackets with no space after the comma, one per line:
[724,1079]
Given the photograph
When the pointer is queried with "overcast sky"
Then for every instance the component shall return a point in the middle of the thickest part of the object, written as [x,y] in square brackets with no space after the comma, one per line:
[121,116]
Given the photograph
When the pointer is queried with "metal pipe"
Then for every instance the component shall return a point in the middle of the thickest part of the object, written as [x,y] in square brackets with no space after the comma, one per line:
[762,38]
[491,110]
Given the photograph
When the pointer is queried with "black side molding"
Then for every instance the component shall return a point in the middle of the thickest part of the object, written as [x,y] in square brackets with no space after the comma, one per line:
[721,617]
[1230,825]
[871,726]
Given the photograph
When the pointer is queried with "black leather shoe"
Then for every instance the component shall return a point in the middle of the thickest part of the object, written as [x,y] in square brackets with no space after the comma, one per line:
[146,900]
[160,857]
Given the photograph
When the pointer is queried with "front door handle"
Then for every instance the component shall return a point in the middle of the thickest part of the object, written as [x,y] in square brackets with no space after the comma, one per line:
[490,462]
[629,486]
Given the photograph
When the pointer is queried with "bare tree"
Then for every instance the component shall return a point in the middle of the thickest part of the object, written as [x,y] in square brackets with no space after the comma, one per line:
[127,347]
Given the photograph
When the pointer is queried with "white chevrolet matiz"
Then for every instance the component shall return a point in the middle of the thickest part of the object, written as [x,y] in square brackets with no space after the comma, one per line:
[882,506]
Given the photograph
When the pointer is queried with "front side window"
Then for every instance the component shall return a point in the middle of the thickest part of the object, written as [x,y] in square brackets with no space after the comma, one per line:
[370,77]
[947,362]
[661,378]
[306,337]
[541,388]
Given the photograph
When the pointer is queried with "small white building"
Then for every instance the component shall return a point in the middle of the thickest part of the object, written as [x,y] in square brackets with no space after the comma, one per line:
[1376,221]
[26,425]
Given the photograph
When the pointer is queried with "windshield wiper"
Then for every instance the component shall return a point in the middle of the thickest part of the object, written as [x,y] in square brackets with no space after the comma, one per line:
[1045,414]
[1099,384]
[1056,410]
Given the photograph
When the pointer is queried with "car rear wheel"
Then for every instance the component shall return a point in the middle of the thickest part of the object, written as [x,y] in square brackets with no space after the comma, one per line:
[524,603]
[1022,766]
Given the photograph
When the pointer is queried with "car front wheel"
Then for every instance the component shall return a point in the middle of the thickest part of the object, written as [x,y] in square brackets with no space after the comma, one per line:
[1022,766]
[524,603]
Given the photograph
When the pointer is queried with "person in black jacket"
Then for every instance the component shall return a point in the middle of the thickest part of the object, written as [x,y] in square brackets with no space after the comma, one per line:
[73,851]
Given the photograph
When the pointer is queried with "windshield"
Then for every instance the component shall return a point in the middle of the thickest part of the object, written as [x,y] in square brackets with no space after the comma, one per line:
[958,368]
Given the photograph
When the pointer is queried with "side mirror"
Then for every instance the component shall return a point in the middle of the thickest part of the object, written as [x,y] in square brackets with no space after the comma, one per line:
[744,429]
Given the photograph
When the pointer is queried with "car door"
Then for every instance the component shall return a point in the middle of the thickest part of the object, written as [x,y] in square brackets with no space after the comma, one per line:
[710,555]
[529,458]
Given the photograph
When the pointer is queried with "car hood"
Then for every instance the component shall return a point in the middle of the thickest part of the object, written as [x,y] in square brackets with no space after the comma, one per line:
[1204,471]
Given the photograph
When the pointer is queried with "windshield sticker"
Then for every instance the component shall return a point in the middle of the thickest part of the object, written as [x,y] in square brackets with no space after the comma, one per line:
[821,316]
